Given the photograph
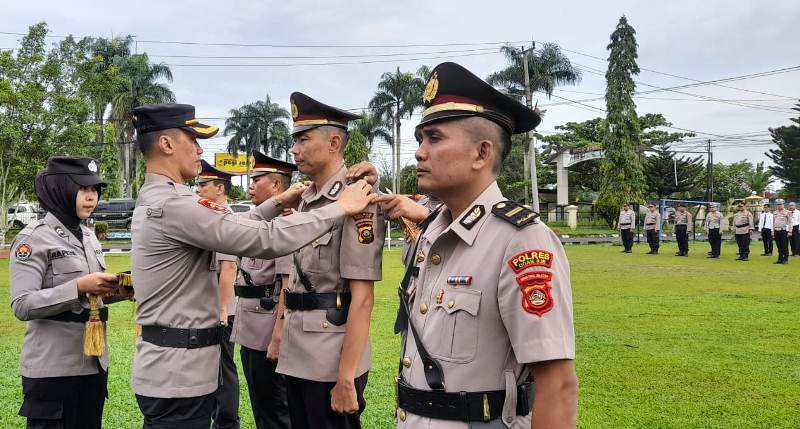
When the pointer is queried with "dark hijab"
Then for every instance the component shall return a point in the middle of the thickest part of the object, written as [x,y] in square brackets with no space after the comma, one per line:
[57,188]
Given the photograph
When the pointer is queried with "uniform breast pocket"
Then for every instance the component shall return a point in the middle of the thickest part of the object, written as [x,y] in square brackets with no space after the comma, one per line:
[319,254]
[316,321]
[455,322]
[66,269]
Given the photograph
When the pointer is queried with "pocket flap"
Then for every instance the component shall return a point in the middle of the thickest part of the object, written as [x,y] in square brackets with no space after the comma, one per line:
[67,265]
[467,300]
[323,241]
[315,321]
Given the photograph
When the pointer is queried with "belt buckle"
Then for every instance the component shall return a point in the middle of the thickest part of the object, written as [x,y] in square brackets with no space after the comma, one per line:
[194,339]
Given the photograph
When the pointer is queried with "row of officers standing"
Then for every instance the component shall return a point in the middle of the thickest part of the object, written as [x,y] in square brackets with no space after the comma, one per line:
[778,228]
[485,312]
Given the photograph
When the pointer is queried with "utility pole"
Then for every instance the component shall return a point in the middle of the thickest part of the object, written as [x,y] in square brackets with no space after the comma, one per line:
[709,172]
[531,140]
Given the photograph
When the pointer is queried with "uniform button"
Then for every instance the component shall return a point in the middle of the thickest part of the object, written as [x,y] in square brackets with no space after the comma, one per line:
[451,303]
[325,324]
[407,362]
[436,259]
[257,308]
[315,243]
[423,308]
[401,414]
[420,258]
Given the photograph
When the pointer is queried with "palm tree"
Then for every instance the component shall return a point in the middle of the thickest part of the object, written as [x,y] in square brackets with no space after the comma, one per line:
[548,67]
[374,127]
[759,179]
[399,95]
[140,84]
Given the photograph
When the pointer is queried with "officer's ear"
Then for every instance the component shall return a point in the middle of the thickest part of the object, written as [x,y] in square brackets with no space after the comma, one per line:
[166,142]
[486,153]
[335,141]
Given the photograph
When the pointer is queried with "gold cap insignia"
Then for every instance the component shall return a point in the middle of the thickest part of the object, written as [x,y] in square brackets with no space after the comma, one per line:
[294,111]
[431,88]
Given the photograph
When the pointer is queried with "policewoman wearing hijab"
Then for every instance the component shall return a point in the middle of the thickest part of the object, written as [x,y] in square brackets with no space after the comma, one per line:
[55,263]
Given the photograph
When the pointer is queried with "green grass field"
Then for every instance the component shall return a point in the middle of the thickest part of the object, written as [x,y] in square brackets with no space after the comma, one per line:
[663,342]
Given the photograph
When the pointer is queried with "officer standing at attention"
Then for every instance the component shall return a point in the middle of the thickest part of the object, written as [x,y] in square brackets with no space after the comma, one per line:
[781,223]
[214,185]
[56,262]
[486,294]
[627,222]
[683,224]
[324,349]
[794,237]
[258,288]
[652,227]
[176,363]
[742,228]
[765,225]
[713,224]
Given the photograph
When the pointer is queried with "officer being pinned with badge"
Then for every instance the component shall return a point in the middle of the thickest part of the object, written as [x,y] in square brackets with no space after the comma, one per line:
[486,296]
[258,288]
[324,349]
[214,185]
[177,357]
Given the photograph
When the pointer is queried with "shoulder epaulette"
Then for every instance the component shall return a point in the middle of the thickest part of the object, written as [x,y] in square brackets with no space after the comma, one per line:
[514,213]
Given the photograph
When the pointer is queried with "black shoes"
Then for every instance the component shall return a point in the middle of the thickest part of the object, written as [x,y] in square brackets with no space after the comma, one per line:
[713,256]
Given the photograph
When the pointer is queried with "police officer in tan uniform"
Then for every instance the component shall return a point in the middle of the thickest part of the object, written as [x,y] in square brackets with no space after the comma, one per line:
[176,364]
[487,290]
[56,261]
[258,288]
[652,227]
[683,225]
[742,228]
[627,222]
[214,185]
[782,224]
[324,349]
[713,226]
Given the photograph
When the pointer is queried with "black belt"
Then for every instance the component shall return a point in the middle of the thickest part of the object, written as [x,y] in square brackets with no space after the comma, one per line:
[81,317]
[182,338]
[255,291]
[461,406]
[681,225]
[650,224]
[742,226]
[624,224]
[315,301]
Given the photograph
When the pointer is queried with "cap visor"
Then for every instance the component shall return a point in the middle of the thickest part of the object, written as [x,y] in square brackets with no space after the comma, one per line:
[443,116]
[303,128]
[202,131]
[87,180]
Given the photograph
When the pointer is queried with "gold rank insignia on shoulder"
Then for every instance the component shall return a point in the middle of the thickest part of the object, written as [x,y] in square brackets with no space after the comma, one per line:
[475,214]
[515,213]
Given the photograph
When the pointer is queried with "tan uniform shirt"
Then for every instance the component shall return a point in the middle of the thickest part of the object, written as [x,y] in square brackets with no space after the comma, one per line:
[684,218]
[743,222]
[46,261]
[652,221]
[713,220]
[215,266]
[311,347]
[489,299]
[627,219]
[174,236]
[253,325]
[782,220]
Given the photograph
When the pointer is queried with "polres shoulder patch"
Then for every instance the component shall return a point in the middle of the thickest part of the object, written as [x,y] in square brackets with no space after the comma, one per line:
[23,252]
[514,213]
[213,206]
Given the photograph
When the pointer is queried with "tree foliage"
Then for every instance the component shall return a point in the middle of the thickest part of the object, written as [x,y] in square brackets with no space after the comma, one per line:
[548,68]
[667,174]
[356,150]
[787,156]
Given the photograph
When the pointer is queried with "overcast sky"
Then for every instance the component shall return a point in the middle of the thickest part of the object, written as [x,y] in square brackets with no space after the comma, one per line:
[702,40]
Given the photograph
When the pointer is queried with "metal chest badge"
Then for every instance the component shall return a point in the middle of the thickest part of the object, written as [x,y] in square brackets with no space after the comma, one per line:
[366,233]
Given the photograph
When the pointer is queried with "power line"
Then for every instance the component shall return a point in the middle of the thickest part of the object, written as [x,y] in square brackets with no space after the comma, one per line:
[307,57]
[332,63]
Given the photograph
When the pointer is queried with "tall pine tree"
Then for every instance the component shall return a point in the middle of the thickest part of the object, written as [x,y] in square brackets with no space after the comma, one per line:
[623,176]
[667,174]
[787,156]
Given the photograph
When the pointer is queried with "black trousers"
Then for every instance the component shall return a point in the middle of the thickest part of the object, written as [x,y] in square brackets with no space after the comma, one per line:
[743,241]
[715,240]
[782,243]
[682,237]
[766,239]
[176,413]
[627,238]
[310,404]
[267,390]
[64,402]
[653,239]
[226,412]
[794,240]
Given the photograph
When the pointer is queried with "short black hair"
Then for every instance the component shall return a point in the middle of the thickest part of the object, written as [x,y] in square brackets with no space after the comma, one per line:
[226,184]
[146,141]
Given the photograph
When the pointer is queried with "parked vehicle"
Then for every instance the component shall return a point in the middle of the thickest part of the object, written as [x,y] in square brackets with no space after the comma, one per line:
[22,214]
[116,212]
